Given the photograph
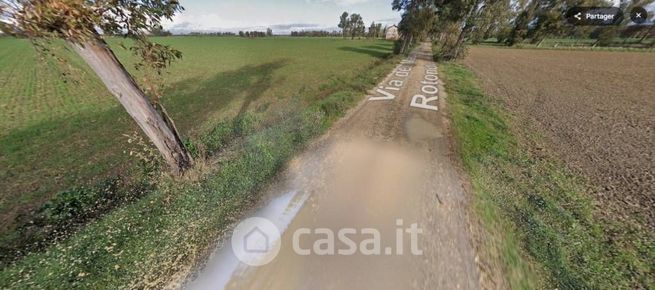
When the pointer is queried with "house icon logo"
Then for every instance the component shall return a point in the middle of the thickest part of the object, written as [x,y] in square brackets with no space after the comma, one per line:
[256,241]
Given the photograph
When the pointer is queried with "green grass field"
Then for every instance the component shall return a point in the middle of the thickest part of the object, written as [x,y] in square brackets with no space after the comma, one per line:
[59,132]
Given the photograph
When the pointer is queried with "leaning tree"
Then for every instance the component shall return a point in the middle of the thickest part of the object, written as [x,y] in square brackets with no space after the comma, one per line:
[80,23]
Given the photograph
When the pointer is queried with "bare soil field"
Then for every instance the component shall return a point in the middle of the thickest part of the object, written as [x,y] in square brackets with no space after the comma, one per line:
[596,110]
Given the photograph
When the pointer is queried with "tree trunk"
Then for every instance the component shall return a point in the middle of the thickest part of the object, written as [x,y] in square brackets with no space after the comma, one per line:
[410,43]
[403,44]
[641,40]
[97,54]
[456,51]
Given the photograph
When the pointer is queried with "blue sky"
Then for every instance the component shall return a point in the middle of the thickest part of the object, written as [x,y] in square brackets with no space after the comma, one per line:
[281,15]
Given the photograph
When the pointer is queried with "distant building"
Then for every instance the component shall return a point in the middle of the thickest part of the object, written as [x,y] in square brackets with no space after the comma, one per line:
[392,33]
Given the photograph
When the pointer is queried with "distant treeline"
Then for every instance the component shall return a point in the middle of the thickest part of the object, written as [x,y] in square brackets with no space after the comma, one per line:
[212,34]
[159,31]
[316,33]
[251,34]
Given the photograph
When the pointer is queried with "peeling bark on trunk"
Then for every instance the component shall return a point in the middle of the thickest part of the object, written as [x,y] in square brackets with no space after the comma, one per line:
[97,54]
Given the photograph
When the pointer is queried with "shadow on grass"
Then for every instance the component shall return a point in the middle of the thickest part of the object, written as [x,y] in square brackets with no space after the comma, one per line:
[193,100]
[377,53]
[40,160]
[386,46]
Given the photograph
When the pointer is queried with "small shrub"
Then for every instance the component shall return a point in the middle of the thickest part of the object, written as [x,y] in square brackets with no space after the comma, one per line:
[217,137]
[243,124]
[77,202]
[335,105]
[80,204]
[226,131]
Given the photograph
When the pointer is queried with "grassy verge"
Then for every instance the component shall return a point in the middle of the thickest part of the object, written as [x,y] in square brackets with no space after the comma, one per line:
[148,242]
[540,223]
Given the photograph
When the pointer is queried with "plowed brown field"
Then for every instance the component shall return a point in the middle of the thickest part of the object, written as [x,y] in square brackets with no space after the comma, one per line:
[596,110]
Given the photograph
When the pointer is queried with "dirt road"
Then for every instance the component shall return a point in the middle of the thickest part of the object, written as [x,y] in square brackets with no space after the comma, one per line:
[386,166]
[597,110]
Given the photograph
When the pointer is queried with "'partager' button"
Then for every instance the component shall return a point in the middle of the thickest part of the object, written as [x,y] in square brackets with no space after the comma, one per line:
[594,15]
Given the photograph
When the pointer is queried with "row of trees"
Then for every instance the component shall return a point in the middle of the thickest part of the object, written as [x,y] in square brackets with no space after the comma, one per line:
[376,30]
[195,33]
[454,22]
[352,25]
[533,21]
[249,34]
[315,33]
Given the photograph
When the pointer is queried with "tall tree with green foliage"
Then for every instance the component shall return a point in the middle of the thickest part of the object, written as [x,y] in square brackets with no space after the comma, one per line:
[526,10]
[372,30]
[356,26]
[378,30]
[79,23]
[344,24]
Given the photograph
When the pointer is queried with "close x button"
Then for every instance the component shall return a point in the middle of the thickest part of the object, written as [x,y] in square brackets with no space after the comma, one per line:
[594,15]
[638,15]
